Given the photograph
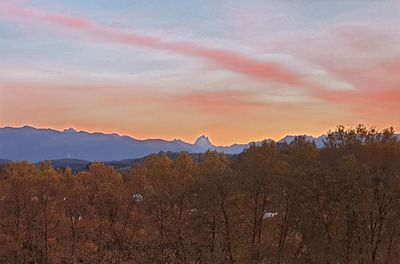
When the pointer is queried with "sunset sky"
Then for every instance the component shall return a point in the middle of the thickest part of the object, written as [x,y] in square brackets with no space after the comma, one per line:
[235,70]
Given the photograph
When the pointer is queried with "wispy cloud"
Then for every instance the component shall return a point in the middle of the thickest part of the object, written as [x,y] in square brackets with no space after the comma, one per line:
[302,68]
[227,60]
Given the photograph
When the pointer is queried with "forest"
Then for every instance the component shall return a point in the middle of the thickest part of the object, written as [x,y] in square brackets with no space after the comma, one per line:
[273,203]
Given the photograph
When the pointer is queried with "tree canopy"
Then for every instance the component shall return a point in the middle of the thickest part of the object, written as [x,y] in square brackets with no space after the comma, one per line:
[272,203]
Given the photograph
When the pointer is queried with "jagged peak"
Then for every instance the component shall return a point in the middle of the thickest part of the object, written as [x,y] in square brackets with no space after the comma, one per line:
[203,141]
[69,130]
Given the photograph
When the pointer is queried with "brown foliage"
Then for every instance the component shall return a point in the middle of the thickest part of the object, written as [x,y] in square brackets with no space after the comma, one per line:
[271,204]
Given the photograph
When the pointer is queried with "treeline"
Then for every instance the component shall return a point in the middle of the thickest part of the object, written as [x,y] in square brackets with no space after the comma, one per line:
[288,204]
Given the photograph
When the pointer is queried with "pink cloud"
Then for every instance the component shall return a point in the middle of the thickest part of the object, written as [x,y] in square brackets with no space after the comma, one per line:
[227,60]
[364,55]
[220,102]
[375,79]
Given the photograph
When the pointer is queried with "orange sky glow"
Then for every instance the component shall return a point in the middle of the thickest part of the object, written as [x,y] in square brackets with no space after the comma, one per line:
[150,72]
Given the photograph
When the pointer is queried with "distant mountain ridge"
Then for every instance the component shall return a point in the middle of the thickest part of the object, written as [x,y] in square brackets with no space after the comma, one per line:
[37,144]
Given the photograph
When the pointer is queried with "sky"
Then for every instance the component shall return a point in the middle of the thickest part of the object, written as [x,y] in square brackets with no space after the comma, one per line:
[236,71]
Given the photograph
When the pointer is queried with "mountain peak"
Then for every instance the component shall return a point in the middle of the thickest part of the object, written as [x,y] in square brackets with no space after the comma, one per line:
[26,127]
[203,141]
[69,130]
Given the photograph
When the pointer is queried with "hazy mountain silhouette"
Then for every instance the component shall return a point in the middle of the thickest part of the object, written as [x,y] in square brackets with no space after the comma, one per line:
[36,144]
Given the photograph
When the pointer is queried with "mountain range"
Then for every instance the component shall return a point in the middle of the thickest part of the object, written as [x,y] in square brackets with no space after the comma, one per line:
[37,144]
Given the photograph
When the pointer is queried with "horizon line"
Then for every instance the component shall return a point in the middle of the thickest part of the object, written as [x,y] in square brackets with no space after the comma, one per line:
[160,138]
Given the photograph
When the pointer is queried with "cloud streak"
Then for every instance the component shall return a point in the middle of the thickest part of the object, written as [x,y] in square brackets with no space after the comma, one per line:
[227,60]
